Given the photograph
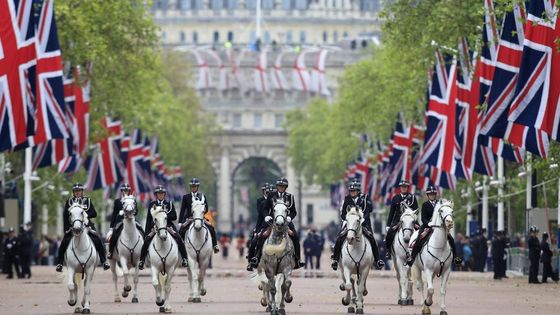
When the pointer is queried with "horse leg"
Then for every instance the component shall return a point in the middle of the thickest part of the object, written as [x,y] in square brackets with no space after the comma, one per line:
[280,290]
[409,299]
[157,285]
[288,297]
[429,295]
[167,288]
[135,288]
[113,264]
[195,282]
[347,285]
[87,290]
[272,292]
[201,279]
[72,287]
[190,279]
[124,266]
[361,284]
[402,273]
[443,290]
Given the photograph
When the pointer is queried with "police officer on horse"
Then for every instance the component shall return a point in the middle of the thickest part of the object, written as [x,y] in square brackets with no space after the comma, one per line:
[87,205]
[117,218]
[427,212]
[186,212]
[395,214]
[355,198]
[261,214]
[160,193]
[289,201]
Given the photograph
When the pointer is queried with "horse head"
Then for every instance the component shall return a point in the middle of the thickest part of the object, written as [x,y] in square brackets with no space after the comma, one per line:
[280,214]
[407,220]
[198,209]
[354,220]
[129,207]
[78,218]
[159,215]
[443,214]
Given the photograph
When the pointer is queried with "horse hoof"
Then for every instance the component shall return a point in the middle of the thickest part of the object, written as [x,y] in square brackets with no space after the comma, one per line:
[134,300]
[351,310]
[268,308]
[402,302]
[86,311]
[273,312]
[365,293]
[162,309]
[264,303]
[428,302]
[282,312]
[160,303]
[127,288]
[289,299]
[189,299]
[203,292]
[342,287]
[78,310]
[426,311]
[443,313]
[196,300]
[71,303]
[168,310]
[410,302]
[345,302]
[359,311]
[125,294]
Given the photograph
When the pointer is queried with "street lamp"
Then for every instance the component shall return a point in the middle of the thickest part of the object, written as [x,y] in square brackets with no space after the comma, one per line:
[483,187]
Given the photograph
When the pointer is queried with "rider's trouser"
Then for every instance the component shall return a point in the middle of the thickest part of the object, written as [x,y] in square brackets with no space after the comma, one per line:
[176,237]
[208,225]
[117,232]
[96,240]
[342,236]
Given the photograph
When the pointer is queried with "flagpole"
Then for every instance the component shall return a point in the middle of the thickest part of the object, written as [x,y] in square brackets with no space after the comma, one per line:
[259,18]
[469,211]
[2,184]
[529,192]
[500,194]
[485,203]
[27,185]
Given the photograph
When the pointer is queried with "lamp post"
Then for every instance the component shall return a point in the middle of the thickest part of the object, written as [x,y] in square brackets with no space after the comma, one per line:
[484,189]
[467,194]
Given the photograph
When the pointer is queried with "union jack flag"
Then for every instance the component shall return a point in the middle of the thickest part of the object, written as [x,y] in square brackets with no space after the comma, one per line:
[537,94]
[18,58]
[134,153]
[104,164]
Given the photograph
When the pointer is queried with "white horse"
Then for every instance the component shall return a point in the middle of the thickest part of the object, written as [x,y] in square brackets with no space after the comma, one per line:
[356,261]
[277,262]
[199,251]
[163,258]
[435,258]
[128,249]
[401,252]
[81,258]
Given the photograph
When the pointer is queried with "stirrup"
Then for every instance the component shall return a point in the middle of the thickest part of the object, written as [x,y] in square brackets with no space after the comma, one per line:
[185,262]
[457,261]
[216,249]
[334,265]
[409,261]
[59,268]
[380,264]
[141,265]
[250,267]
[106,266]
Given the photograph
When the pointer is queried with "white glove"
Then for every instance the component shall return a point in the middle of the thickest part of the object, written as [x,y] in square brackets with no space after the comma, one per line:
[289,219]
[121,213]
[109,234]
[267,219]
[387,229]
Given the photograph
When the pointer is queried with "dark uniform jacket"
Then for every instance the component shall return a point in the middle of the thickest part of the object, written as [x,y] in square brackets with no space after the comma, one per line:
[289,201]
[534,248]
[546,252]
[395,212]
[261,213]
[84,201]
[186,205]
[116,218]
[169,208]
[427,212]
[361,201]
[11,247]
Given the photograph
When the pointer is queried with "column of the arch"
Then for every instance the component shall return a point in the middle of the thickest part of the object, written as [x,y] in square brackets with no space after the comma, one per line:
[224,193]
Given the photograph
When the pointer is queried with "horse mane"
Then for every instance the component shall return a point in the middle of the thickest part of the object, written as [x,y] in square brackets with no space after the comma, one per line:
[408,211]
[156,210]
[355,210]
[440,203]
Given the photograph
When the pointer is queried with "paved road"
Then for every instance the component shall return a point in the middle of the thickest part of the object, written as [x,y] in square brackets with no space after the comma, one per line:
[231,292]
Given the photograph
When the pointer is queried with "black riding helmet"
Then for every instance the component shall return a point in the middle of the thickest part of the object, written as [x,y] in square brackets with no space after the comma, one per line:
[265,186]
[431,190]
[404,183]
[354,185]
[159,189]
[195,182]
[282,181]
[125,187]
[77,186]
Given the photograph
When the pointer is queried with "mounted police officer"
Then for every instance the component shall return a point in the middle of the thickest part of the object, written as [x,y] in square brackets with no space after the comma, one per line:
[117,218]
[395,214]
[259,225]
[87,205]
[186,211]
[427,212]
[534,254]
[356,199]
[160,192]
[289,201]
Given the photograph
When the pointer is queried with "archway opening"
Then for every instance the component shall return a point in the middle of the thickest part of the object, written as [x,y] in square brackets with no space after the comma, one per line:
[248,177]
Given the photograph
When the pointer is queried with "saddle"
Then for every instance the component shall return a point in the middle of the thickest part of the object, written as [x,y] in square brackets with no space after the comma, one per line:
[422,237]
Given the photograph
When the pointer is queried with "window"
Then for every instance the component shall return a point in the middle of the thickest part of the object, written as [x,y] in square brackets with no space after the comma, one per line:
[267,4]
[216,37]
[287,4]
[309,213]
[183,4]
[195,37]
[230,4]
[236,122]
[301,4]
[302,37]
[230,36]
[216,4]
[250,4]
[252,37]
[258,120]
[289,37]
[335,37]
[196,4]
[182,37]
[325,37]
[278,120]
[345,35]
[267,37]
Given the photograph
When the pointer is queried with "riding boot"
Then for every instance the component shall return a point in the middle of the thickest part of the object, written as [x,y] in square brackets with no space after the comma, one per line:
[378,263]
[415,250]
[98,243]
[389,243]
[113,241]
[297,252]
[336,250]
[144,250]
[181,246]
[254,261]
[214,237]
[140,229]
[62,251]
[456,260]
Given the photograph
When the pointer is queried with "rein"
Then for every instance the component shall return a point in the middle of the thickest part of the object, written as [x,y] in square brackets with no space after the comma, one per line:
[163,259]
[131,250]
[82,265]
[356,263]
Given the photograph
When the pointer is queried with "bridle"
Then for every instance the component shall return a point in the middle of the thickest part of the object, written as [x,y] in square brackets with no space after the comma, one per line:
[81,220]
[284,215]
[403,229]
[356,230]
[159,228]
[442,218]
